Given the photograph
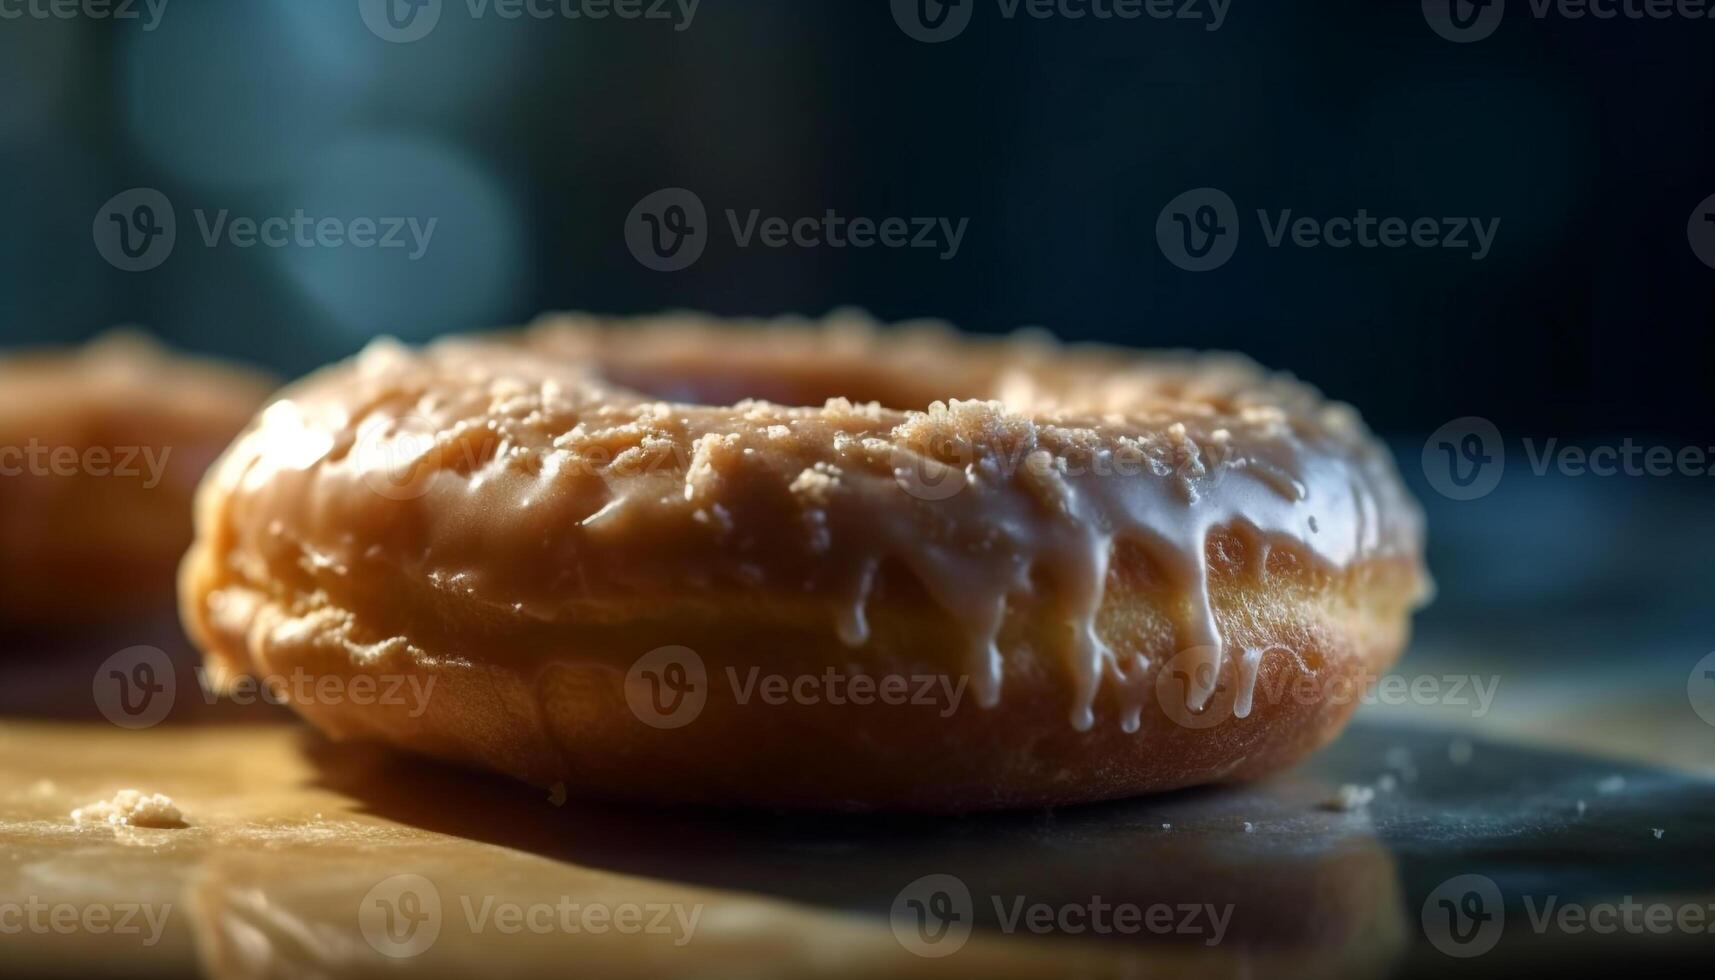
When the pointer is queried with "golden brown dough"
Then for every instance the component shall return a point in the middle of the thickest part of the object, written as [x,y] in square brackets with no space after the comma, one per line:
[1039,574]
[101,449]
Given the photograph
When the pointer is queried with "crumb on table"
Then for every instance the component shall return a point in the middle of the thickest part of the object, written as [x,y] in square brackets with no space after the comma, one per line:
[132,808]
[1350,797]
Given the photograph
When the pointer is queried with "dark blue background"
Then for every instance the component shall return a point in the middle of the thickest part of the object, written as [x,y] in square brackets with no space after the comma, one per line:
[1060,140]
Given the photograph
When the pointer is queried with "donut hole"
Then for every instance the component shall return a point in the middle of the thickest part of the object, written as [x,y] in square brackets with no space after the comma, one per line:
[717,382]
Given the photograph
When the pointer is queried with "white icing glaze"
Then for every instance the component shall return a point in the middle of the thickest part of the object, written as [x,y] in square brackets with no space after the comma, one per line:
[1250,665]
[547,483]
[1277,499]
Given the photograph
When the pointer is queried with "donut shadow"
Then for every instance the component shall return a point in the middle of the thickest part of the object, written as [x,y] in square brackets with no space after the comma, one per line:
[1298,875]
[1283,890]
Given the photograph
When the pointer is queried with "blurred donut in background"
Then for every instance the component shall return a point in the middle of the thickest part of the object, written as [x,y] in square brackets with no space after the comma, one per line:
[101,448]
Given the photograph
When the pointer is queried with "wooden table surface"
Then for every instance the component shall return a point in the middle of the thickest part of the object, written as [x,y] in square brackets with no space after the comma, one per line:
[307,858]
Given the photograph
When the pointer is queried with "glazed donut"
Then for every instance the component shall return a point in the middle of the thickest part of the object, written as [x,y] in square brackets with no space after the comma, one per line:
[822,565]
[101,450]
